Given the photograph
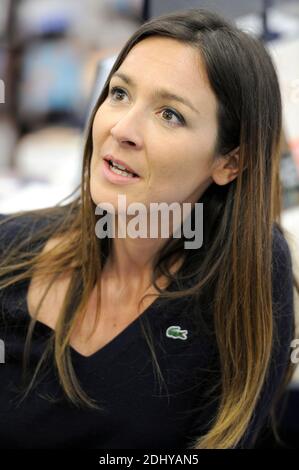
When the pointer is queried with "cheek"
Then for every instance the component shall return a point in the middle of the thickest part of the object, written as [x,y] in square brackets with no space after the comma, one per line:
[180,173]
[101,123]
[173,163]
[97,127]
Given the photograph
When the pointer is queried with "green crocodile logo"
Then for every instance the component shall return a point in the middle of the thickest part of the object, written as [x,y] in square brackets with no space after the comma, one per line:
[176,332]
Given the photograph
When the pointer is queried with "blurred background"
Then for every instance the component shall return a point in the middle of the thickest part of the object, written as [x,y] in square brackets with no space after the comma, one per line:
[54,58]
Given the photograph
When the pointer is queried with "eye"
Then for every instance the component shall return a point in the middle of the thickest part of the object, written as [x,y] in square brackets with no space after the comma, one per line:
[114,90]
[174,113]
[117,90]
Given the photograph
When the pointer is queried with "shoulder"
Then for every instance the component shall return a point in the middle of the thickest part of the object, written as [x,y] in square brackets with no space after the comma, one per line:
[280,249]
[283,306]
[14,229]
[282,279]
[13,224]
[284,323]
[10,223]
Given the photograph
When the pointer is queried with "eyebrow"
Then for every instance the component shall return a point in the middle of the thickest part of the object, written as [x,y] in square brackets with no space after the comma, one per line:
[159,92]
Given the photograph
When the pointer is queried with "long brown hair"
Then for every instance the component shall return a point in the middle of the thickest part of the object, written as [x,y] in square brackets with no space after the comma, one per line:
[238,218]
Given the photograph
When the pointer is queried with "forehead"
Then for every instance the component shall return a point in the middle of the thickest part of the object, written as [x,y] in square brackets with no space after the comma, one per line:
[173,59]
[171,64]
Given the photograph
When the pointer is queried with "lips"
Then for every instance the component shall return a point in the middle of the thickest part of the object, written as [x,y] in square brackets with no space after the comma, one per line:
[120,162]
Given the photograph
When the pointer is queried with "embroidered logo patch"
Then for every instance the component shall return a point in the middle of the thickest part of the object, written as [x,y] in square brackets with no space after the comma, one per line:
[176,332]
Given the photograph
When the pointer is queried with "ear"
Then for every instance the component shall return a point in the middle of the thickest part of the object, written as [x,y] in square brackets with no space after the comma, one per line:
[226,167]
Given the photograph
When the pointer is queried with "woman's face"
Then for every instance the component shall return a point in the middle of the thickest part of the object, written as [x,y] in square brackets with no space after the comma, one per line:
[166,142]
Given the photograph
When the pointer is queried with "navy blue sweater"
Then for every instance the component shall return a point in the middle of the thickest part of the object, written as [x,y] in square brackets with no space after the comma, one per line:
[136,413]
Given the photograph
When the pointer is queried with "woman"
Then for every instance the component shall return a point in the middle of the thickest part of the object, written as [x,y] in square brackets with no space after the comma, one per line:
[192,110]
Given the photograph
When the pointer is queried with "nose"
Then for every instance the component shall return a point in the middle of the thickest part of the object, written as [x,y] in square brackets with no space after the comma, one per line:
[127,130]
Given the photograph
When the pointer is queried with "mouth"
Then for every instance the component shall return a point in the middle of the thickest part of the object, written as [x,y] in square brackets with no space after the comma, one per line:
[119,164]
[117,176]
[120,167]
